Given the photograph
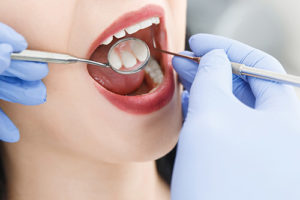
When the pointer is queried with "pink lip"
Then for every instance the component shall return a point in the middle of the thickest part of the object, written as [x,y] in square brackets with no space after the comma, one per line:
[147,103]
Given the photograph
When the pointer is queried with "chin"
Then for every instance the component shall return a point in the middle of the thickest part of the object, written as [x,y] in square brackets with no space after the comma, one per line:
[136,137]
[157,134]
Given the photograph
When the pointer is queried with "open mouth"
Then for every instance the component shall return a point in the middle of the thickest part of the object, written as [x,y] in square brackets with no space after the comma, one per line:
[149,89]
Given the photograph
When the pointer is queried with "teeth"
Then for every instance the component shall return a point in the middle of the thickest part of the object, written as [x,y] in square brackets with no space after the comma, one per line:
[128,59]
[154,71]
[120,34]
[155,20]
[145,24]
[139,50]
[133,29]
[108,40]
[114,60]
[127,54]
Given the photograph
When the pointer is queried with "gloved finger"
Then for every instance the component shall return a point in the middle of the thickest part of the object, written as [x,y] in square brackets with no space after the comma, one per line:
[10,36]
[5,51]
[186,69]
[270,95]
[8,131]
[24,92]
[235,50]
[185,103]
[266,93]
[28,71]
[213,81]
[242,91]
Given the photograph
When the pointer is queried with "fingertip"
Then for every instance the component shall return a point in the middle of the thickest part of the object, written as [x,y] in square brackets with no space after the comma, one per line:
[182,65]
[7,48]
[201,44]
[197,42]
[44,95]
[13,137]
[10,136]
[21,46]
[38,71]
[215,58]
[185,102]
[20,43]
[186,69]
[28,71]
[5,51]
[9,35]
[41,94]
[36,93]
[196,38]
[8,131]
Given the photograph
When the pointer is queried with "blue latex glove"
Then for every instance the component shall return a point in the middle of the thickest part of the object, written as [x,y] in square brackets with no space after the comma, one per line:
[20,81]
[241,137]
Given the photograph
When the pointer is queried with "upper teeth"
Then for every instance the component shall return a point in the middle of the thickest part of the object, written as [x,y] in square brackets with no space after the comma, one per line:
[128,54]
[133,29]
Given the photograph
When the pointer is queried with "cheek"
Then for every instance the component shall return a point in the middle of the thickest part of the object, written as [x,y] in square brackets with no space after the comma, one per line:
[178,12]
[38,21]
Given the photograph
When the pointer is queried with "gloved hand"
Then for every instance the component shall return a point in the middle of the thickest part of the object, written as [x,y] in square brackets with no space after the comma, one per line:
[241,136]
[20,81]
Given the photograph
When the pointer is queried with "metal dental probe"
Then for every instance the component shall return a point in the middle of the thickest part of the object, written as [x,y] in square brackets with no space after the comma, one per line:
[241,69]
[50,57]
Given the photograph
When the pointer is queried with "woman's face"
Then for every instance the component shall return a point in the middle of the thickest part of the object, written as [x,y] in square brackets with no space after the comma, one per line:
[93,112]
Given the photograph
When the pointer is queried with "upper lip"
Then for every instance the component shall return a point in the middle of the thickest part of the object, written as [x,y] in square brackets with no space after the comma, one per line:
[125,21]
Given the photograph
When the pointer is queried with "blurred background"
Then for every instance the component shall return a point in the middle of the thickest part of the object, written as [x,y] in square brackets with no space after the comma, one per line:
[270,25]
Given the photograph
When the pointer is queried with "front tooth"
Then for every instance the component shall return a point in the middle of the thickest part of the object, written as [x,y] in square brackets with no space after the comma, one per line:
[108,40]
[120,34]
[155,20]
[139,50]
[114,60]
[128,59]
[132,29]
[146,23]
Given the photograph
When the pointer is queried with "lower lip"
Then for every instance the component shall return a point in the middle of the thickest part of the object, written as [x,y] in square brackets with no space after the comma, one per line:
[147,103]
[153,101]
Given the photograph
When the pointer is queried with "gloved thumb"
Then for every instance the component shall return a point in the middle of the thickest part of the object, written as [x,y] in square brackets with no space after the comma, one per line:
[213,79]
[186,69]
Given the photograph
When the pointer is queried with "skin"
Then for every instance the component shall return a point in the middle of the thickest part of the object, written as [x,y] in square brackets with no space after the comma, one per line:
[78,145]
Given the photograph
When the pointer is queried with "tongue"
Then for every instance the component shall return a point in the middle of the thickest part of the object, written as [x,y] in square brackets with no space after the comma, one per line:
[111,80]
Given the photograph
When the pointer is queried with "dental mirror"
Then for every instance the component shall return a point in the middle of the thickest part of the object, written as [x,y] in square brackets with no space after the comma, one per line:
[126,56]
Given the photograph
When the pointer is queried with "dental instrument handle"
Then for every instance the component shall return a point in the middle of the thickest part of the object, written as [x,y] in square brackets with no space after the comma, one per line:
[241,69]
[49,57]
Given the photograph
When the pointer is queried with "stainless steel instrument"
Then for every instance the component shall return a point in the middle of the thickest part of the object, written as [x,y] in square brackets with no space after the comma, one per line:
[49,57]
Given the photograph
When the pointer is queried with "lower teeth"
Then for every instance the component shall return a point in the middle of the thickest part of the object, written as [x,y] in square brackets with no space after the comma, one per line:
[154,71]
